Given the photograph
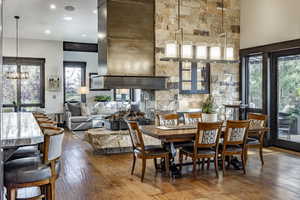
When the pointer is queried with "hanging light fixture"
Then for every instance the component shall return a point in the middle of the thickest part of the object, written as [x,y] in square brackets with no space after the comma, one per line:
[184,51]
[179,49]
[18,74]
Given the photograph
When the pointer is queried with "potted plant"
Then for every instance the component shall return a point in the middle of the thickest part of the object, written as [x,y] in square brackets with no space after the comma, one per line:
[102,98]
[208,111]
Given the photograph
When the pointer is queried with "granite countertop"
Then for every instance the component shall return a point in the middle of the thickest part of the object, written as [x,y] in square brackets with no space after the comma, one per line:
[20,129]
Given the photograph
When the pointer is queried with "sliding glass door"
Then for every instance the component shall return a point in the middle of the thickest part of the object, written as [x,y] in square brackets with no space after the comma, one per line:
[286,98]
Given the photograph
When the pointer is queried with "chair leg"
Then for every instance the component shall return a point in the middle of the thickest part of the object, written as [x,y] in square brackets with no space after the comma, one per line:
[143,168]
[167,160]
[203,163]
[155,163]
[246,155]
[208,163]
[261,155]
[133,164]
[216,166]
[194,166]
[180,159]
[51,190]
[243,162]
[223,164]
[11,193]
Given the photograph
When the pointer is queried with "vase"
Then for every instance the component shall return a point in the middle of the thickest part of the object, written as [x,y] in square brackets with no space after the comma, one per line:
[209,117]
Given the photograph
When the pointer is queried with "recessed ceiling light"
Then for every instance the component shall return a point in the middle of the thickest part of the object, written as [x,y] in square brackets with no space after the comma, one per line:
[83,35]
[52,6]
[47,32]
[68,18]
[95,11]
[69,8]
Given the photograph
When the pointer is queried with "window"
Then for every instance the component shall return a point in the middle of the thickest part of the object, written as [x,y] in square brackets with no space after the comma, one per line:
[124,94]
[255,74]
[74,78]
[194,78]
[25,92]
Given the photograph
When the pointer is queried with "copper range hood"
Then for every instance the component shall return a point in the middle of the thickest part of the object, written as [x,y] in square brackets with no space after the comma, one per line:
[126,45]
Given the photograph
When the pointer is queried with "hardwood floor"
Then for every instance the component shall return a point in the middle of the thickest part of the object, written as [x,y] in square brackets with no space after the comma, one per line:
[89,177]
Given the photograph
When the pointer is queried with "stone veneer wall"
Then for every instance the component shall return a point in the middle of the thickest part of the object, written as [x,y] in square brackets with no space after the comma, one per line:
[201,22]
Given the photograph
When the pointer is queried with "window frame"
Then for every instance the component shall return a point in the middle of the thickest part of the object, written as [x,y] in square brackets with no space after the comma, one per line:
[75,64]
[247,85]
[194,79]
[131,94]
[28,61]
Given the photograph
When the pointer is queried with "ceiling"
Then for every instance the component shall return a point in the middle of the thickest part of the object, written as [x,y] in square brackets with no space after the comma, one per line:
[37,18]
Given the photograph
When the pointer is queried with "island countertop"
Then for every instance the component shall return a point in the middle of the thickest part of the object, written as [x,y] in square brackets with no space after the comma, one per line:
[20,129]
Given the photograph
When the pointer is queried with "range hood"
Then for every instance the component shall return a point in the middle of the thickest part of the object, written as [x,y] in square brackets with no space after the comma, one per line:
[126,46]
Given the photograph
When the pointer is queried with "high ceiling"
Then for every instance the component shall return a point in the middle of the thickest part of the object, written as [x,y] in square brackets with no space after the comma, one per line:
[39,21]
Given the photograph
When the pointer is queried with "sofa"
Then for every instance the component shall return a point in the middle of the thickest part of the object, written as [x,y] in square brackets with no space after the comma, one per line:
[77,117]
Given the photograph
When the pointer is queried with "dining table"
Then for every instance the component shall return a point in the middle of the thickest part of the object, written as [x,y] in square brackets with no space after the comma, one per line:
[19,129]
[182,133]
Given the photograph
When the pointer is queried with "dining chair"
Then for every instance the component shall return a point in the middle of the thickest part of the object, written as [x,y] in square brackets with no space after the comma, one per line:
[40,172]
[234,141]
[192,118]
[257,121]
[144,152]
[206,145]
[168,119]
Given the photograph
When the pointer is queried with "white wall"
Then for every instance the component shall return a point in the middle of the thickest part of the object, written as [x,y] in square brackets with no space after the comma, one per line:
[91,60]
[269,21]
[52,51]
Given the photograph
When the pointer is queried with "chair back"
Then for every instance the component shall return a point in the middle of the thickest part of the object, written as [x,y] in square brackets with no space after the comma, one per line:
[208,135]
[257,120]
[168,120]
[236,132]
[192,118]
[53,143]
[136,136]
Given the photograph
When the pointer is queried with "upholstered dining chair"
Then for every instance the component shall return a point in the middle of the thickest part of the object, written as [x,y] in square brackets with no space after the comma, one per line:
[168,119]
[234,142]
[144,152]
[257,121]
[38,172]
[206,144]
[192,118]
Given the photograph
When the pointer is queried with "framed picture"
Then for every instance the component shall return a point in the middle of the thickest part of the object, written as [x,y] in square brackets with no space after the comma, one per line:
[53,83]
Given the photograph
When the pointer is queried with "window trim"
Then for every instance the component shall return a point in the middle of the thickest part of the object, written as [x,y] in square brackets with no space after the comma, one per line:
[28,61]
[76,64]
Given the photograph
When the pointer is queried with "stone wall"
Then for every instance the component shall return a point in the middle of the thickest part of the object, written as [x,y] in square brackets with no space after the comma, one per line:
[201,22]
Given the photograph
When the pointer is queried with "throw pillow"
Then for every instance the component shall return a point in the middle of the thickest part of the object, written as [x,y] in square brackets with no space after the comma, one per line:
[75,109]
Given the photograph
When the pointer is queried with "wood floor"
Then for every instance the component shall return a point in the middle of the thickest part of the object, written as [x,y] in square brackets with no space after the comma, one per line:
[89,177]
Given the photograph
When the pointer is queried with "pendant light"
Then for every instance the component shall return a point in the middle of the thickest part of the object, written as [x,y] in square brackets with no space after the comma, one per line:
[179,49]
[18,74]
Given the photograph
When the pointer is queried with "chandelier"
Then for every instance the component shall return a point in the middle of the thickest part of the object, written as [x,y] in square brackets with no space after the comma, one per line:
[185,51]
[17,74]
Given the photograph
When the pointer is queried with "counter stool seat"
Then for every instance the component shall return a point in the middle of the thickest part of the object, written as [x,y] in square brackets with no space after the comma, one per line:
[26,170]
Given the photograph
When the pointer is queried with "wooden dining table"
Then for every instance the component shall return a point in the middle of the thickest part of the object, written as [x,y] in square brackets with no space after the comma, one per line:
[181,133]
[19,129]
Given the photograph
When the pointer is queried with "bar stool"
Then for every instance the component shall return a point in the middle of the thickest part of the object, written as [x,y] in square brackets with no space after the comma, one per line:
[36,171]
[32,151]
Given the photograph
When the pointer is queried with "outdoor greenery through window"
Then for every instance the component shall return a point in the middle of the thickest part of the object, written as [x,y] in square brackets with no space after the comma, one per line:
[255,81]
[74,79]
[24,93]
[289,97]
